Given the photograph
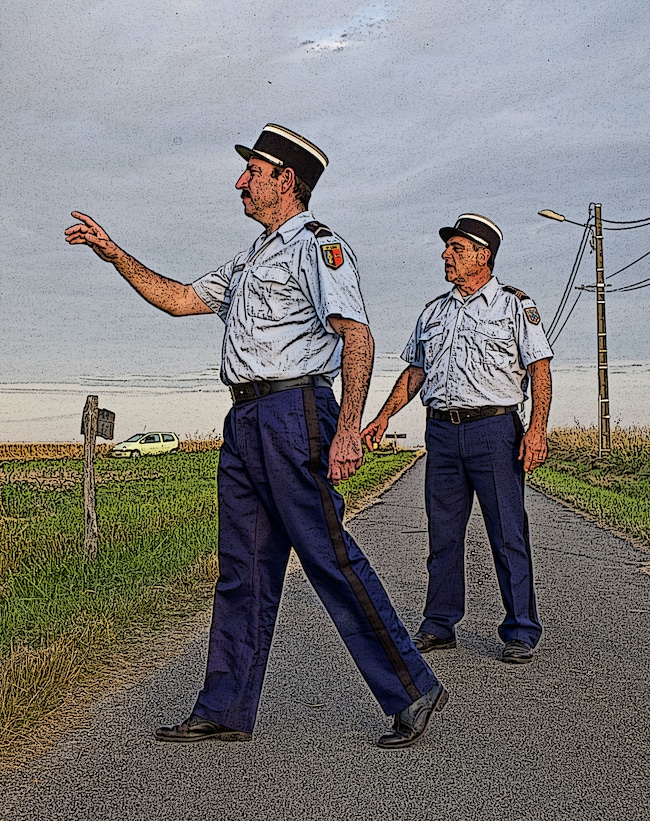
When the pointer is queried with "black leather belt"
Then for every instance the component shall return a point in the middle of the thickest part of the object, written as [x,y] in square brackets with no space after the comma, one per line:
[246,391]
[460,415]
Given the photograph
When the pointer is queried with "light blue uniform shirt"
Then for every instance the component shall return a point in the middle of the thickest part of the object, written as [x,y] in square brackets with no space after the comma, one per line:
[475,350]
[275,298]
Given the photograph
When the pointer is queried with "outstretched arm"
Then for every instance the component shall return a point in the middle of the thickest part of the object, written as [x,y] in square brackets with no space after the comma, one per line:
[408,384]
[534,449]
[346,455]
[170,296]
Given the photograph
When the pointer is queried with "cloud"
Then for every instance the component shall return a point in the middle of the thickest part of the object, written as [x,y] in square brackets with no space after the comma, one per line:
[370,21]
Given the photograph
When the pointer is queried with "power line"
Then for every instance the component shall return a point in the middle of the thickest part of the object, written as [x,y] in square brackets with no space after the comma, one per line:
[626,222]
[557,335]
[627,227]
[571,280]
[634,286]
[629,266]
[554,335]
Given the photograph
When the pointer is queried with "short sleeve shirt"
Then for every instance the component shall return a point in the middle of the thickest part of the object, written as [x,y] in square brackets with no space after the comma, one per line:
[275,300]
[475,350]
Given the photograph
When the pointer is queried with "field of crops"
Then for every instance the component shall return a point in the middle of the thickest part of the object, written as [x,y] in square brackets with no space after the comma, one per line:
[74,450]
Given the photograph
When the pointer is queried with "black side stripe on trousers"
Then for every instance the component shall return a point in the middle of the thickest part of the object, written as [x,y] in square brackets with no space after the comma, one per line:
[340,551]
[532,607]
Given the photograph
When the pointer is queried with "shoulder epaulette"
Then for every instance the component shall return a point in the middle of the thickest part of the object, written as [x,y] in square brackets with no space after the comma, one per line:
[318,229]
[512,290]
[436,298]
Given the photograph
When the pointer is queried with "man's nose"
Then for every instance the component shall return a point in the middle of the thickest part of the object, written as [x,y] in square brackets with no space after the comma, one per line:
[242,182]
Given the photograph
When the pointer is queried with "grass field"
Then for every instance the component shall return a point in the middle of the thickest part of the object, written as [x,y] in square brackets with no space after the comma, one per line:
[62,616]
[614,488]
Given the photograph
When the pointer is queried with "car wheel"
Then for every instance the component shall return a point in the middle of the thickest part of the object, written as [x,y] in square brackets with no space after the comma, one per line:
[175,450]
[135,454]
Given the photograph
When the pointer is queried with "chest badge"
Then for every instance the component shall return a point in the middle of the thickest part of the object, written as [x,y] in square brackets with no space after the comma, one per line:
[532,315]
[332,254]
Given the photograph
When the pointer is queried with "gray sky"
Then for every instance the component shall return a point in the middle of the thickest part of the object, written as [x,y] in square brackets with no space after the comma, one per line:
[129,112]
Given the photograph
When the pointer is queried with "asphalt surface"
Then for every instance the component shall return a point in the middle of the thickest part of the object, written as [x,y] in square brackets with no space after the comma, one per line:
[565,737]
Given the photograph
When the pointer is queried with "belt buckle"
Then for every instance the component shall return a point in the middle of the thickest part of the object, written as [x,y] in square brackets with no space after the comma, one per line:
[454,416]
[242,392]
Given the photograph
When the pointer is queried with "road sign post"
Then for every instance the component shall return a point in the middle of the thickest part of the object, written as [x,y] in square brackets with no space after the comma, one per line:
[94,422]
[395,437]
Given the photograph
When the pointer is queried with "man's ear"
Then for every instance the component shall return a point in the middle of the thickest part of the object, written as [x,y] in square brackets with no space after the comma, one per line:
[484,255]
[287,180]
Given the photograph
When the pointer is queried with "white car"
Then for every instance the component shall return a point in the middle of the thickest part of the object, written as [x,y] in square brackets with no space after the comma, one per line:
[147,444]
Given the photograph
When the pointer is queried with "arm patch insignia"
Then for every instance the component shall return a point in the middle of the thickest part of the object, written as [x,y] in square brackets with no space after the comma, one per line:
[332,254]
[532,314]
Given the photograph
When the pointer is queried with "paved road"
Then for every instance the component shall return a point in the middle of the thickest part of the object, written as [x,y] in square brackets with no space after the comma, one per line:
[563,738]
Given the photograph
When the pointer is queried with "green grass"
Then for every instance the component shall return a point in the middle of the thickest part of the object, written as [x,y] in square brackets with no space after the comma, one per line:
[155,519]
[62,615]
[613,488]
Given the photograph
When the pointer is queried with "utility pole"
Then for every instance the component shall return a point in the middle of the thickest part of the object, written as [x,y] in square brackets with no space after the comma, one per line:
[603,379]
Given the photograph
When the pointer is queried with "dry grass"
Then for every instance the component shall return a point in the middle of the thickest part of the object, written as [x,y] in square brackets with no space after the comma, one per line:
[200,445]
[583,442]
[34,679]
[47,450]
[75,450]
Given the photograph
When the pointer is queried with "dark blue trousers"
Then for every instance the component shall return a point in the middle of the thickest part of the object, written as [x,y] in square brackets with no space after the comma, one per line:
[478,457]
[274,494]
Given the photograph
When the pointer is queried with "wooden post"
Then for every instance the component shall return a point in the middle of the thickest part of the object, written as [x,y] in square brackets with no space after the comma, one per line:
[395,436]
[89,429]
[603,381]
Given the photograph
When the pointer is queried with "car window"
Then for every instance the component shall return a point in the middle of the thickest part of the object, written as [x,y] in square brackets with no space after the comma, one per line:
[135,438]
[153,437]
[168,437]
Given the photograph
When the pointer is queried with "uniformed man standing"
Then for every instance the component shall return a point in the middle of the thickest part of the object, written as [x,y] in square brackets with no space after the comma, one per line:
[294,319]
[473,353]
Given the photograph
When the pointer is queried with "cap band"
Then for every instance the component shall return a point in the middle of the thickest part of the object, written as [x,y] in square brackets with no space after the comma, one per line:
[482,220]
[284,132]
[475,228]
[283,147]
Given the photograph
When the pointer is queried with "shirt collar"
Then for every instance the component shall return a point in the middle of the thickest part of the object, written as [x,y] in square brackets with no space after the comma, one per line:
[487,291]
[288,230]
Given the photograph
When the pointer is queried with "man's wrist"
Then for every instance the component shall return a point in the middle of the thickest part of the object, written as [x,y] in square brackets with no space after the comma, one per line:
[349,429]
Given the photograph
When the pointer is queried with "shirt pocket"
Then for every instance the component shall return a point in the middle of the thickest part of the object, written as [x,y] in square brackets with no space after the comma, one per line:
[266,293]
[430,345]
[496,342]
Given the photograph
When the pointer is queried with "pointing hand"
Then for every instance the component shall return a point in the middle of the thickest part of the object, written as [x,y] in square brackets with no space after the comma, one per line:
[88,232]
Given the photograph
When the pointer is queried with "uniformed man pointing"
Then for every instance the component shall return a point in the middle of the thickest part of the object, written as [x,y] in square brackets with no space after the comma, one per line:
[475,352]
[294,319]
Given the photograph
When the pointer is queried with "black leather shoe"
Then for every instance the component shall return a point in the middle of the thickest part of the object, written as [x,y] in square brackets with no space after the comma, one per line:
[517,652]
[195,728]
[426,642]
[410,724]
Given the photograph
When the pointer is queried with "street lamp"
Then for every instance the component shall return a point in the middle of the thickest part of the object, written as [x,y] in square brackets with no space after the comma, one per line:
[553,215]
[603,380]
